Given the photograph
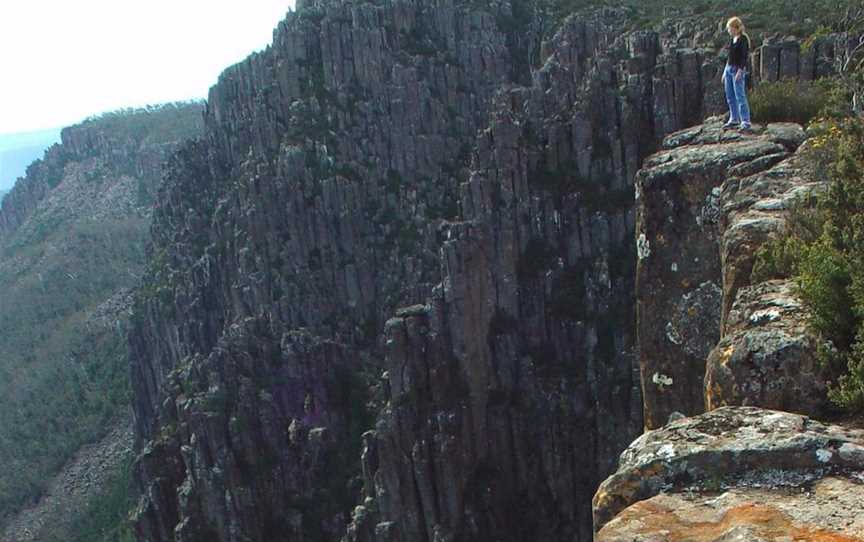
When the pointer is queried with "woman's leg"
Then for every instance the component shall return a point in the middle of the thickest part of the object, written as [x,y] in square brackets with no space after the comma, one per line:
[741,98]
[731,99]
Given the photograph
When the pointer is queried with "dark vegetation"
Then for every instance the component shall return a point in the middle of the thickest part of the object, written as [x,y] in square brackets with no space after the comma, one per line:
[801,18]
[792,101]
[153,123]
[823,251]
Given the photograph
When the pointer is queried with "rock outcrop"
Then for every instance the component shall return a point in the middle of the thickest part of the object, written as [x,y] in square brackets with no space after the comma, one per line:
[754,337]
[793,59]
[767,355]
[706,205]
[737,473]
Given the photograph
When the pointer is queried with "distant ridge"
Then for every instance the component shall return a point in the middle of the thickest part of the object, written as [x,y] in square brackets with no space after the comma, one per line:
[19,150]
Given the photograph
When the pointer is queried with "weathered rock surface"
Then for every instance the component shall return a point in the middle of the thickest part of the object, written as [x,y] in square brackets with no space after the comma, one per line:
[828,509]
[767,356]
[737,472]
[706,205]
[683,222]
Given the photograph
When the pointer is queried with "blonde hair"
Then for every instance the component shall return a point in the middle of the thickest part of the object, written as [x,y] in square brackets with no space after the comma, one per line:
[736,22]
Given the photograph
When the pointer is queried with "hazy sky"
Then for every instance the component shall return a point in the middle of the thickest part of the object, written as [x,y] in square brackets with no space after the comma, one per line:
[63,60]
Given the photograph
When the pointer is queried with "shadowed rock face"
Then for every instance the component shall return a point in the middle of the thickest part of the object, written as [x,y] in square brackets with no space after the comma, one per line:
[763,458]
[705,205]
[387,155]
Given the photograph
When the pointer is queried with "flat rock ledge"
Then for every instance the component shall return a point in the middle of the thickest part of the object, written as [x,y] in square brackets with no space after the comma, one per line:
[737,473]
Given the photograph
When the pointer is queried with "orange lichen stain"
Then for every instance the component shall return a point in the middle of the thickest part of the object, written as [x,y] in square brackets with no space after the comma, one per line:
[620,494]
[712,395]
[764,522]
[685,283]
[726,354]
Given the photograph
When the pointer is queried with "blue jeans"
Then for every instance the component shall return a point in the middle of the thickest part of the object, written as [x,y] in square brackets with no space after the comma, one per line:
[736,96]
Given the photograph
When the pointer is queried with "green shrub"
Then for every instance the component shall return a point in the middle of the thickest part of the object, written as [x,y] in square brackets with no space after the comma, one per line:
[789,101]
[850,391]
[776,259]
[823,280]
[780,257]
[823,251]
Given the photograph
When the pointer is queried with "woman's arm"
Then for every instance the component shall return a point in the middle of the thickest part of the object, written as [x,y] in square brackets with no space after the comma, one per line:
[745,54]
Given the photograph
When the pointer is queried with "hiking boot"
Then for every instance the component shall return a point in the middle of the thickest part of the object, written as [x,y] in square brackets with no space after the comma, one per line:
[746,128]
[730,125]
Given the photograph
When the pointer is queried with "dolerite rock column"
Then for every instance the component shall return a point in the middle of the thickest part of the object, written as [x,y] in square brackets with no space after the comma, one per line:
[510,389]
[305,215]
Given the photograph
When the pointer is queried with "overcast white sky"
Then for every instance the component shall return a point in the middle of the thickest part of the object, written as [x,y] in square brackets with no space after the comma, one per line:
[64,60]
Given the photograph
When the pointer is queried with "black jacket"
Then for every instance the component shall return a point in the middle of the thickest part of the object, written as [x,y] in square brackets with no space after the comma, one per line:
[739,52]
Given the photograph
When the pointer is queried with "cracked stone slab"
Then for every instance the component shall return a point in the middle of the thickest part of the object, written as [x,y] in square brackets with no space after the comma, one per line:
[827,510]
[731,447]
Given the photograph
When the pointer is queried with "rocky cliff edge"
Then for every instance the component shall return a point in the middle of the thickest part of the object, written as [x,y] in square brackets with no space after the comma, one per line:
[710,338]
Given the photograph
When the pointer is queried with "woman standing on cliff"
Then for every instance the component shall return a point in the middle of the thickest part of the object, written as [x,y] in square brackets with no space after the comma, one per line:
[735,76]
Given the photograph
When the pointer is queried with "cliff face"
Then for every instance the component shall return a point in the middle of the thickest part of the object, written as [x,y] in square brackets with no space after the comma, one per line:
[385,155]
[282,243]
[72,236]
